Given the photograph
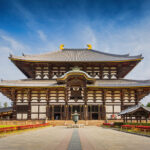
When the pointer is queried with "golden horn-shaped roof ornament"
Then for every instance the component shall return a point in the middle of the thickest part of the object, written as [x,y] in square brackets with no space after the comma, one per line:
[62,46]
[89,46]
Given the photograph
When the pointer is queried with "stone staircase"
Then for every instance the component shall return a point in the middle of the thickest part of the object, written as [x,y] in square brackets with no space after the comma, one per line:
[85,122]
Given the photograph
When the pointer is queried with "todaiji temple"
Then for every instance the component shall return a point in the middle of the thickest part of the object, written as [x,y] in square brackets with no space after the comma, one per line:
[86,80]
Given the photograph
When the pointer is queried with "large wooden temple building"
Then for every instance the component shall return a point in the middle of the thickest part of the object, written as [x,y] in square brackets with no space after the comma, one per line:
[86,80]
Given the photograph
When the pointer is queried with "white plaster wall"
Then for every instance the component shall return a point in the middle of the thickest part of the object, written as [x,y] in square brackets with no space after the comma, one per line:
[34,108]
[109,109]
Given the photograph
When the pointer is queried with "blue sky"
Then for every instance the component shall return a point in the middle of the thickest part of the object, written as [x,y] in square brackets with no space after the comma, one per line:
[38,26]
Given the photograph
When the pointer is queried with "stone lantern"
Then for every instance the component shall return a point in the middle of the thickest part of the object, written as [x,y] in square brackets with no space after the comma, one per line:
[75,117]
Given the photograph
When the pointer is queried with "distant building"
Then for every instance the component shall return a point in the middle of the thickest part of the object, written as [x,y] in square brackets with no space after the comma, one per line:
[6,113]
[85,80]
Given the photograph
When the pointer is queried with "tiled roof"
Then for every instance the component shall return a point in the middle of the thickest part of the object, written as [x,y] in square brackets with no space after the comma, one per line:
[53,83]
[6,109]
[122,83]
[133,109]
[28,83]
[76,55]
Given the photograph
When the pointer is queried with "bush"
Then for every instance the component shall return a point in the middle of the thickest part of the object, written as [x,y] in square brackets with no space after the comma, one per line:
[128,126]
[118,124]
[108,124]
[143,124]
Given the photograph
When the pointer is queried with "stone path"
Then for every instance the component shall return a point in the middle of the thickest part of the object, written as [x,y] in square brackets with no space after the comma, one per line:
[75,141]
[62,138]
[49,138]
[97,138]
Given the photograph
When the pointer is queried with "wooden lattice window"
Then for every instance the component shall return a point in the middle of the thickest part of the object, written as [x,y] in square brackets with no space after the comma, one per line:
[76,93]
[22,109]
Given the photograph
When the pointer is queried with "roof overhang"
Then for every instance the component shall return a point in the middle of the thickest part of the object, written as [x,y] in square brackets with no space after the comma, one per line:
[76,72]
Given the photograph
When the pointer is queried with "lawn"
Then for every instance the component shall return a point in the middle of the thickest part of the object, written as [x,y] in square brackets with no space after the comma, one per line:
[4,126]
[130,127]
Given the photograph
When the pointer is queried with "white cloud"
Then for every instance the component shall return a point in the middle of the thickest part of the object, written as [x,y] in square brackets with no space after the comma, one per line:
[89,36]
[8,71]
[134,39]
[13,43]
[42,36]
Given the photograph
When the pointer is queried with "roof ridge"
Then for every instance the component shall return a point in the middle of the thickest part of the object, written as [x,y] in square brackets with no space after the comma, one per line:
[120,55]
[79,49]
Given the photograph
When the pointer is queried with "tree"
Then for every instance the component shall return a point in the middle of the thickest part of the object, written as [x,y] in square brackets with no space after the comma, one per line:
[148,105]
[5,104]
[0,105]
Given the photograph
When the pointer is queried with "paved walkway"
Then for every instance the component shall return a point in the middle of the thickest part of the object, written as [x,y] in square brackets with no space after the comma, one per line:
[49,138]
[62,138]
[97,138]
[75,143]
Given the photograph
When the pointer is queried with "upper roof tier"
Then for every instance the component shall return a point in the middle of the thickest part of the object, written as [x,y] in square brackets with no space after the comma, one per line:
[76,55]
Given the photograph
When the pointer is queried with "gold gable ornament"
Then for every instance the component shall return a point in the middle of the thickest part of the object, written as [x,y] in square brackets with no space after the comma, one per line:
[62,46]
[89,46]
[76,68]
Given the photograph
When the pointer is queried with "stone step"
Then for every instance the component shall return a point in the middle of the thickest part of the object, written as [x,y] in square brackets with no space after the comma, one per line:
[66,122]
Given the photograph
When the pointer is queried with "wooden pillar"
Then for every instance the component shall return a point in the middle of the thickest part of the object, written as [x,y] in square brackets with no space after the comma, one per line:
[53,112]
[48,111]
[100,73]
[61,112]
[126,118]
[136,118]
[146,117]
[71,112]
[85,112]
[104,104]
[90,112]
[14,110]
[29,104]
[121,98]
[47,104]
[109,73]
[99,113]
[33,68]
[66,104]
[13,94]
[136,97]
[66,111]
[85,104]
[122,116]
[80,112]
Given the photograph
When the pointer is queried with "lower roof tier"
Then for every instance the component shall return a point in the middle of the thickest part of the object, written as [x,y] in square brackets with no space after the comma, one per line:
[141,88]
[120,83]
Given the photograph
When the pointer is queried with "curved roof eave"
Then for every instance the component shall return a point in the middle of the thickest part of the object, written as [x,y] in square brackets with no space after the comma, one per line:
[75,72]
[76,55]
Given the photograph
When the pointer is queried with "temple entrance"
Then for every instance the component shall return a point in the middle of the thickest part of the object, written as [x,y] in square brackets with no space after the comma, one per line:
[63,112]
[57,112]
[94,116]
[78,108]
[57,116]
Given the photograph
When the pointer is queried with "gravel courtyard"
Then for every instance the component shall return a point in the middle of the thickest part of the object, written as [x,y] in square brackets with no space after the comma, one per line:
[62,138]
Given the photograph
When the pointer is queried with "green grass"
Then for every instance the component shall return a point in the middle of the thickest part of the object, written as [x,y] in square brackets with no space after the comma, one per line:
[4,134]
[4,126]
[136,131]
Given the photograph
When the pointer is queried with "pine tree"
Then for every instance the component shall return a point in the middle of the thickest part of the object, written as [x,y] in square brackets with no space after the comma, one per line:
[5,104]
[148,105]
